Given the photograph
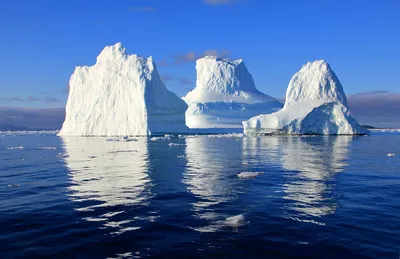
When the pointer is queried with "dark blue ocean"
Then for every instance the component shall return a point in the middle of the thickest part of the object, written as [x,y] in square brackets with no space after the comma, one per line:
[315,197]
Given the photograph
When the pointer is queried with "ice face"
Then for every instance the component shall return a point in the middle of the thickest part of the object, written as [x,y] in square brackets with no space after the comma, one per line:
[225,95]
[121,94]
[315,104]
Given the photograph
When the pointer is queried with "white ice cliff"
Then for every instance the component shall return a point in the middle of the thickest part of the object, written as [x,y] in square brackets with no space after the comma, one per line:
[315,104]
[121,94]
[225,95]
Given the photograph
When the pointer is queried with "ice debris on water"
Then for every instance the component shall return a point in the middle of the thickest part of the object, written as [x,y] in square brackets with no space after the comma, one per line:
[47,148]
[230,135]
[175,144]
[15,148]
[236,221]
[391,154]
[248,175]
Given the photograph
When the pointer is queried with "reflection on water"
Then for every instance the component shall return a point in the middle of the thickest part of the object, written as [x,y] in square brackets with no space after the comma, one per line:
[209,175]
[310,165]
[262,150]
[310,183]
[111,178]
[108,178]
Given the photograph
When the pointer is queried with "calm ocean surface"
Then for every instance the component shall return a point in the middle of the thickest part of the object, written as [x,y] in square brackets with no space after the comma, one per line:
[318,197]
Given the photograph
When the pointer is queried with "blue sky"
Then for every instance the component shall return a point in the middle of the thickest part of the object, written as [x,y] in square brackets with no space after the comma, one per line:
[43,41]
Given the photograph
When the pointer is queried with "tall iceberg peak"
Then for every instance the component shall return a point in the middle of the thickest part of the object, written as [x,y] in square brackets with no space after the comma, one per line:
[121,94]
[225,95]
[315,104]
[112,52]
[315,81]
[224,80]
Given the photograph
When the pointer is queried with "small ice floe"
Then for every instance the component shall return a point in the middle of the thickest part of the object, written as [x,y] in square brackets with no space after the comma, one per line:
[191,136]
[236,221]
[391,154]
[229,135]
[175,144]
[181,156]
[62,155]
[248,175]
[15,148]
[156,138]
[47,148]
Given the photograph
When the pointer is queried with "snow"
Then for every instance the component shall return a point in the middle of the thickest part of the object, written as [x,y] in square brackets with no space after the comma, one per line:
[225,95]
[315,104]
[121,95]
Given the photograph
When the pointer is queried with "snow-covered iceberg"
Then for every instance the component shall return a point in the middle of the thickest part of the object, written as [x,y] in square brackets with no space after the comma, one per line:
[225,95]
[121,94]
[315,104]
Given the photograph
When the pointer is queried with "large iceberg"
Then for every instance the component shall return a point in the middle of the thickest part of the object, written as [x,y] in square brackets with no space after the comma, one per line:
[225,95]
[315,104]
[121,94]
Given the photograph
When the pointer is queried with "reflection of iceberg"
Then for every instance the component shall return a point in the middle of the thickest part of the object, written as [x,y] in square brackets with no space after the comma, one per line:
[209,177]
[314,160]
[108,174]
[310,164]
[260,150]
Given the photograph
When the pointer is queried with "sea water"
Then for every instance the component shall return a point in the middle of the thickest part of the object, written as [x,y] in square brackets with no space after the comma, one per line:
[190,197]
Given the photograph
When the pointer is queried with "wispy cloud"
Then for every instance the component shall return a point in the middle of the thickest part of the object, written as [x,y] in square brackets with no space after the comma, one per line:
[220,2]
[193,56]
[51,99]
[11,99]
[183,81]
[46,98]
[143,9]
[33,99]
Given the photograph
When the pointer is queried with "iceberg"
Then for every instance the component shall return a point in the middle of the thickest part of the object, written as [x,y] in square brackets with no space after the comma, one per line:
[121,95]
[225,95]
[315,104]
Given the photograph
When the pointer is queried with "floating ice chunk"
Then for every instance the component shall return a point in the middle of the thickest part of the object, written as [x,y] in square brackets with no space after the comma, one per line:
[156,138]
[236,221]
[175,144]
[248,175]
[391,154]
[47,148]
[15,148]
